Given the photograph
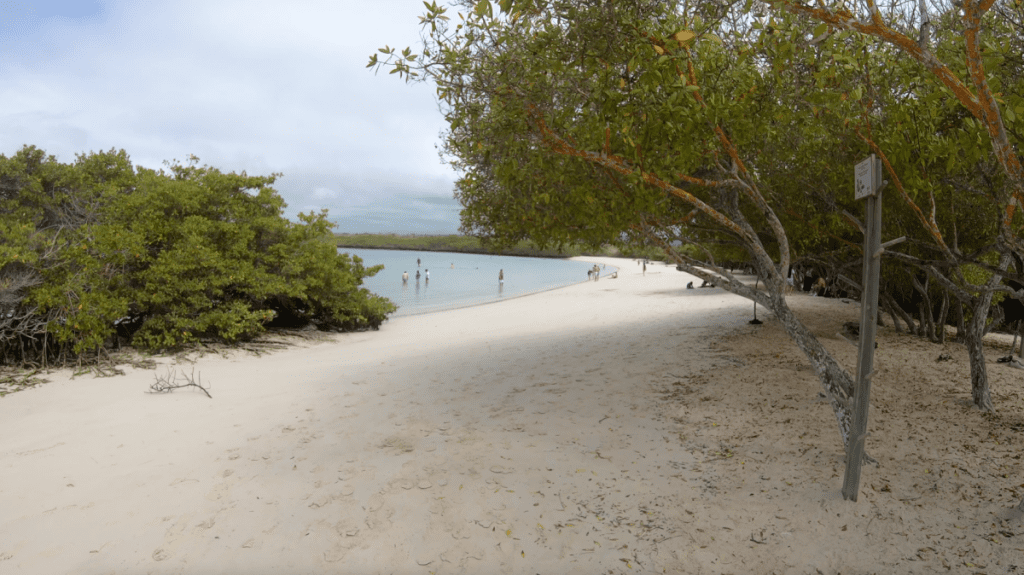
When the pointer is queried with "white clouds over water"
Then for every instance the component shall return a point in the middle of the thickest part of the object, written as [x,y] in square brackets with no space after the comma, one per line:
[243,84]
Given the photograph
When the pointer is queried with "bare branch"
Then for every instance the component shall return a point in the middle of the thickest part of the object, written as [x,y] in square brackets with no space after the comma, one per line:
[168,383]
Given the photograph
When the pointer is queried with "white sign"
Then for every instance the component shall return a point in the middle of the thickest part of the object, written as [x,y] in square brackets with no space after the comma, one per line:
[864,183]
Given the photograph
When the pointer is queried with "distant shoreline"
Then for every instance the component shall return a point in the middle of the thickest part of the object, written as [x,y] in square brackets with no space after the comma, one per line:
[472,245]
[481,251]
[445,243]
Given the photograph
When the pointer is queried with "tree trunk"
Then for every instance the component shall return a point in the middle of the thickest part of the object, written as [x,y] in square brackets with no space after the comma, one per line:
[998,316]
[925,309]
[980,393]
[981,305]
[943,313]
[837,382]
[961,329]
[892,314]
[911,328]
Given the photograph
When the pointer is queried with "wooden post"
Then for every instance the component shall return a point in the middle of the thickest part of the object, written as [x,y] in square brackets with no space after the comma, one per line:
[869,186]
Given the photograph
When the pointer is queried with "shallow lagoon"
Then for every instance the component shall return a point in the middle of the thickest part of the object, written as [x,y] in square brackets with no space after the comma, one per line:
[460,279]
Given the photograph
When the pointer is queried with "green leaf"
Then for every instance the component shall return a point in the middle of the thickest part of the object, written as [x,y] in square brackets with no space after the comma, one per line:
[820,29]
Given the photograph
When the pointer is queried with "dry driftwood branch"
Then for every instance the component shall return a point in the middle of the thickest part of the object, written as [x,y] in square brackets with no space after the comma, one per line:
[169,382]
[16,380]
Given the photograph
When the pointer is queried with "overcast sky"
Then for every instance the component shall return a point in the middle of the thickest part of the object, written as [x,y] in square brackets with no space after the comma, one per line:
[260,86]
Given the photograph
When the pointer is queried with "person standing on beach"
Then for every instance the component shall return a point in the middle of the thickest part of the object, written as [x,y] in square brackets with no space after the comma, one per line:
[645,268]
[405,277]
[501,276]
[417,275]
[417,262]
[427,276]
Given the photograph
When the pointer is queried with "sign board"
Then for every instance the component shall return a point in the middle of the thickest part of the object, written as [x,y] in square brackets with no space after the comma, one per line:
[864,183]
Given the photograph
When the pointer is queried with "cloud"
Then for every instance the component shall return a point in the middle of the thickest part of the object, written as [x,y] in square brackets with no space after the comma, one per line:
[324,194]
[245,85]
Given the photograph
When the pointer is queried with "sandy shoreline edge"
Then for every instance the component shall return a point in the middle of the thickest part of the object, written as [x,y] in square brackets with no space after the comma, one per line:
[627,425]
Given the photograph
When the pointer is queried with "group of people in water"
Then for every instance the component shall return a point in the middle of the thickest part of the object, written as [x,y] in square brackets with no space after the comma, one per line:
[426,274]
[405,275]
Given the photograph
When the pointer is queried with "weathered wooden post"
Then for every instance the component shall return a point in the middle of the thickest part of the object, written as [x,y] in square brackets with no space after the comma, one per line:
[868,185]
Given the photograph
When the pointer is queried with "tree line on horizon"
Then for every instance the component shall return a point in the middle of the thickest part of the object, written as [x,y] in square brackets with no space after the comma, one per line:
[729,131]
[473,244]
[97,253]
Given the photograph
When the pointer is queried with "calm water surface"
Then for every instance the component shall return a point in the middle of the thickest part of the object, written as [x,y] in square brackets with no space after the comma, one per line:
[460,280]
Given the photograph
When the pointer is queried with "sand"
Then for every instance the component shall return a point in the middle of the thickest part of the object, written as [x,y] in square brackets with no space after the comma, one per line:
[627,425]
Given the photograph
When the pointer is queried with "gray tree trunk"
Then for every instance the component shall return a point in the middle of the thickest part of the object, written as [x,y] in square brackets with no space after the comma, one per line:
[925,309]
[837,381]
[980,393]
[838,384]
[943,314]
[961,329]
[895,320]
[895,307]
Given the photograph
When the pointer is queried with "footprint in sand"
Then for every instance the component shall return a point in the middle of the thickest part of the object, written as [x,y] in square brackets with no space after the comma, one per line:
[219,491]
[347,528]
[380,519]
[160,555]
[321,501]
[397,445]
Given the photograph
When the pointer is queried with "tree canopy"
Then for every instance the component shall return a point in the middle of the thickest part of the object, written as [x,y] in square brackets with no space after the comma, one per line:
[98,251]
[729,130]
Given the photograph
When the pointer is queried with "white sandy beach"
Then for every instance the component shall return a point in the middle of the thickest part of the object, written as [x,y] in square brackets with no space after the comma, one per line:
[621,426]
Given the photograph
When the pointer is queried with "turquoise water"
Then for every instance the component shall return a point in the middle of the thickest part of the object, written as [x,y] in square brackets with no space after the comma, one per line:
[460,280]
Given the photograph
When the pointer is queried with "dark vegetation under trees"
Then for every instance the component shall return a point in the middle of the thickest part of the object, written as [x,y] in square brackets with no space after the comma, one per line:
[728,131]
[99,253]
